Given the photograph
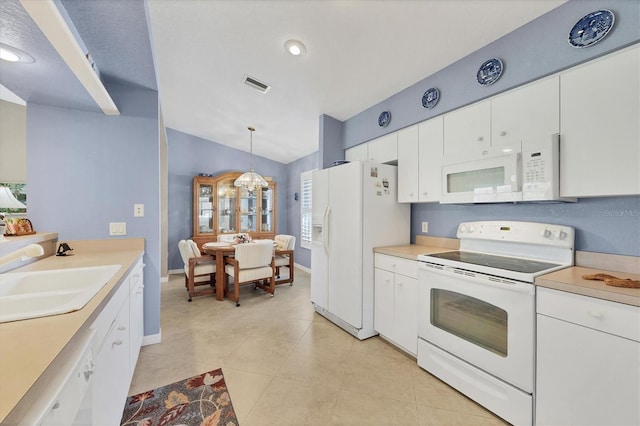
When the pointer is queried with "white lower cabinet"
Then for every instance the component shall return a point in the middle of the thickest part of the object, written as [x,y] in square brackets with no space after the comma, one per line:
[116,346]
[588,361]
[136,314]
[396,301]
[111,379]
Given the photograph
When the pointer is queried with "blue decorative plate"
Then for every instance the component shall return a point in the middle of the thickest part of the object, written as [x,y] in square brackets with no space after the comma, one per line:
[489,72]
[591,28]
[384,119]
[430,98]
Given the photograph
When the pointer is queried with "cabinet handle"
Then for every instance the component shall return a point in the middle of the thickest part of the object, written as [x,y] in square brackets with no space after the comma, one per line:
[400,284]
[56,405]
[480,138]
[596,314]
[503,133]
[117,342]
[122,327]
[87,375]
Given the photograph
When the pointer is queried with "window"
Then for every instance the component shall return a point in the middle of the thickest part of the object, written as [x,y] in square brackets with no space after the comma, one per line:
[305,209]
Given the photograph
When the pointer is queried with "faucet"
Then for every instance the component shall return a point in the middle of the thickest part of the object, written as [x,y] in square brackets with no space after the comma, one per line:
[32,250]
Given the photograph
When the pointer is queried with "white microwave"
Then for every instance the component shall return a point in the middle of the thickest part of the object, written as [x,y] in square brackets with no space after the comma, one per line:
[519,172]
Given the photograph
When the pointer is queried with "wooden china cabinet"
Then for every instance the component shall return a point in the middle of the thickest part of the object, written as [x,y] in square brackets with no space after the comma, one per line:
[221,208]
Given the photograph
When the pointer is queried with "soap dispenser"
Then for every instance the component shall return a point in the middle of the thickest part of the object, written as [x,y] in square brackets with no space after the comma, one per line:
[64,250]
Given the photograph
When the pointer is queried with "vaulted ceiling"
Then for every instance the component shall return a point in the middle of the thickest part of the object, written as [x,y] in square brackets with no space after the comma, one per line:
[196,53]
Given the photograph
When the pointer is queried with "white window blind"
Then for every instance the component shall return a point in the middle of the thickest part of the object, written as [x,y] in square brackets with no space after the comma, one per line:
[305,209]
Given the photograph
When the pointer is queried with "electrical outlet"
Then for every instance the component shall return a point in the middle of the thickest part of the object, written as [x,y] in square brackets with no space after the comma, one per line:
[425,227]
[138,210]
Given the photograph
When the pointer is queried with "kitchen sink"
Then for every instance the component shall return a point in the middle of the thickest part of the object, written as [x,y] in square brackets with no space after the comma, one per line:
[26,295]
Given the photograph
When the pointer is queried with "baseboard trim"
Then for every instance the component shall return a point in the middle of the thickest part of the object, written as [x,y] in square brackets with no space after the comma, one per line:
[152,339]
[304,268]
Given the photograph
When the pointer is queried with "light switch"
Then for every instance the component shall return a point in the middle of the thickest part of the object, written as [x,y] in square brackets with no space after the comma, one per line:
[425,227]
[118,228]
[138,210]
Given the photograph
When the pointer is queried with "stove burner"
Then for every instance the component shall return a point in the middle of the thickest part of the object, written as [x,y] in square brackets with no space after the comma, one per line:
[526,266]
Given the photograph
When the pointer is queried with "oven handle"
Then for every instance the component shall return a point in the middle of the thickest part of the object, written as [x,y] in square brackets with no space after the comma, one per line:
[479,278]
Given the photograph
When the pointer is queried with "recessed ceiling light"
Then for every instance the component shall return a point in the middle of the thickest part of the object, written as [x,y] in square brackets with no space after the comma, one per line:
[295,47]
[11,54]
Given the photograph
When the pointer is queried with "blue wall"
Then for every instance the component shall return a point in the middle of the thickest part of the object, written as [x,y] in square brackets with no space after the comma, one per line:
[603,225]
[540,48]
[534,50]
[190,155]
[304,164]
[87,169]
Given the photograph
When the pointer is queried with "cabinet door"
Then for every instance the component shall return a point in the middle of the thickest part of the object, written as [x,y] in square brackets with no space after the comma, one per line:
[585,377]
[405,321]
[267,209]
[383,303]
[430,159]
[111,378]
[203,206]
[226,207]
[467,131]
[358,152]
[136,315]
[600,138]
[384,149]
[248,210]
[408,165]
[527,114]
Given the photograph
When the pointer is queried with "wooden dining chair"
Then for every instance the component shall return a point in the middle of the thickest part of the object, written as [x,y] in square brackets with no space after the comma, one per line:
[252,263]
[285,245]
[199,269]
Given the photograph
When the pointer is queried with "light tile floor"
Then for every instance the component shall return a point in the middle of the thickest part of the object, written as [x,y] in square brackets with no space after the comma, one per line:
[286,365]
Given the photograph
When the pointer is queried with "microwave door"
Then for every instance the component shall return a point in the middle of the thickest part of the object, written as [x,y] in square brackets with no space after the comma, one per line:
[491,179]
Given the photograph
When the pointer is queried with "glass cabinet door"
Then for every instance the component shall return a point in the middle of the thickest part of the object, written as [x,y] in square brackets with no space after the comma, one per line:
[266,217]
[248,210]
[205,208]
[226,207]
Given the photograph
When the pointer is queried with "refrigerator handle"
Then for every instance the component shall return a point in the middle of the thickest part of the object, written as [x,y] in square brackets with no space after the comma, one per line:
[326,230]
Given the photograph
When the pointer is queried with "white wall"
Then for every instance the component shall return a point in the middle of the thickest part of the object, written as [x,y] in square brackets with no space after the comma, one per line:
[13,142]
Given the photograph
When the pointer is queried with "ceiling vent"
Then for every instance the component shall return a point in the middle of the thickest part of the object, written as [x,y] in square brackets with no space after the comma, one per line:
[256,84]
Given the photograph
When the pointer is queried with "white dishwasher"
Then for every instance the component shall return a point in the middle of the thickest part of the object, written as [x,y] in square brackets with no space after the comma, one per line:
[588,361]
[66,398]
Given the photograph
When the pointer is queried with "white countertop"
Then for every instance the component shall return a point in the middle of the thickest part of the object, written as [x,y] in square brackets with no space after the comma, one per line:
[28,347]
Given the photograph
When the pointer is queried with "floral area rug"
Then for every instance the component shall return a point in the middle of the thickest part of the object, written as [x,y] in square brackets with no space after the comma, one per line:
[201,400]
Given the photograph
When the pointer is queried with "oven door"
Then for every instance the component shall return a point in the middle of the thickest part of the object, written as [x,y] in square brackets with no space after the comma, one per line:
[484,320]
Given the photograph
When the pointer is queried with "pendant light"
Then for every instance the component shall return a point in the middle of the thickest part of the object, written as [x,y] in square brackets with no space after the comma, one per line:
[251,180]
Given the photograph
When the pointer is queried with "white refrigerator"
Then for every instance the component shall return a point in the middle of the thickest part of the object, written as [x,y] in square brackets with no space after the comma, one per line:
[354,209]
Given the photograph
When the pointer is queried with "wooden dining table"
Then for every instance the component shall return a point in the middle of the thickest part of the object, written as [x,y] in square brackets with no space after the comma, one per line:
[221,250]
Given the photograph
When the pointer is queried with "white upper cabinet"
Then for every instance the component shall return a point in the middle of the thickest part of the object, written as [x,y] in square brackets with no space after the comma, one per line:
[420,161]
[431,137]
[527,114]
[467,131]
[408,164]
[381,150]
[600,137]
[384,149]
[358,152]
